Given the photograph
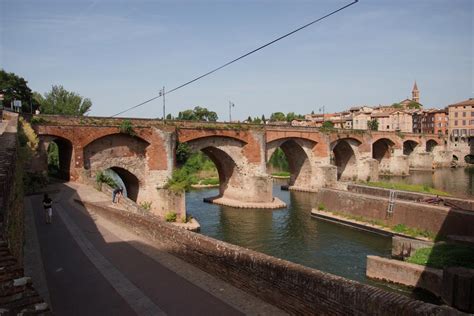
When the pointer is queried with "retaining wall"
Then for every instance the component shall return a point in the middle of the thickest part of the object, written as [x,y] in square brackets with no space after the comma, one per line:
[292,287]
[440,220]
[465,204]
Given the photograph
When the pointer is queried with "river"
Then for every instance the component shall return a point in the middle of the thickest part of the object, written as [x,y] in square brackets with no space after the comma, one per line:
[292,234]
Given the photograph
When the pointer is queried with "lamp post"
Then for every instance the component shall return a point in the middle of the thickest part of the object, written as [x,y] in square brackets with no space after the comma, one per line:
[231,105]
[162,94]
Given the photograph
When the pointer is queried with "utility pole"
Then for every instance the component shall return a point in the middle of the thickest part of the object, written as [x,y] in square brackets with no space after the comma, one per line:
[164,105]
[231,105]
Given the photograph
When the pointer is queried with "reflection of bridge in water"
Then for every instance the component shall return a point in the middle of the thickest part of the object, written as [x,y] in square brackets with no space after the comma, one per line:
[146,158]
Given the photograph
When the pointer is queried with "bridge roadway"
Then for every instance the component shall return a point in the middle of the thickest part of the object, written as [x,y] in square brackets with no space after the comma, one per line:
[94,268]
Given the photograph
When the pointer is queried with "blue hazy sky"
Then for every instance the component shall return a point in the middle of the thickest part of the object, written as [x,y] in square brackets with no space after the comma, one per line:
[119,53]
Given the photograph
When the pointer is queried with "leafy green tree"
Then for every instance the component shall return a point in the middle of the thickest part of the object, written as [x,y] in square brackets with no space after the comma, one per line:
[169,116]
[183,152]
[278,117]
[414,105]
[61,101]
[396,105]
[278,160]
[264,120]
[198,114]
[292,116]
[373,125]
[249,119]
[257,120]
[15,87]
[328,124]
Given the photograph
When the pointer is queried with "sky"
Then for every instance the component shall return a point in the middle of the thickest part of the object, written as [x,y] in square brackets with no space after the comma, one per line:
[119,53]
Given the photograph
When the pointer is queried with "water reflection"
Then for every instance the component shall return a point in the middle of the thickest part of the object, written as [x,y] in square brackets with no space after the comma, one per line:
[290,233]
[457,181]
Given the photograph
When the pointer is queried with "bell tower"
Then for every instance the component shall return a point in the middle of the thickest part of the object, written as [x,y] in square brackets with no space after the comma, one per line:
[415,94]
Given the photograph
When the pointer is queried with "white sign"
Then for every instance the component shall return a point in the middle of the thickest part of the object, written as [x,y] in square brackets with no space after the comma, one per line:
[1,96]
[17,103]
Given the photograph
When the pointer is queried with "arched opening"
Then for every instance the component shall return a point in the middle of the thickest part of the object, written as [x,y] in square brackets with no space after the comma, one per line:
[345,159]
[469,159]
[382,149]
[126,180]
[430,145]
[409,146]
[225,166]
[292,157]
[59,154]
[455,158]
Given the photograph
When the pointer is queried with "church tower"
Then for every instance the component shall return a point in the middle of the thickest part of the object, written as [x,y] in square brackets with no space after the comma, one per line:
[415,94]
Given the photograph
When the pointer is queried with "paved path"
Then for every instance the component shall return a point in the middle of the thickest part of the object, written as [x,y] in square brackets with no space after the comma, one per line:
[91,271]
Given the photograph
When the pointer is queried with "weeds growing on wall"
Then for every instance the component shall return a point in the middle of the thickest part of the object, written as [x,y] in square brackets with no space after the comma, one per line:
[126,127]
[171,217]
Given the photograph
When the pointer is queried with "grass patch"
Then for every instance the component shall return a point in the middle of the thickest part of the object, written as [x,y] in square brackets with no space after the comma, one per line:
[414,232]
[444,255]
[406,187]
[399,228]
[210,181]
[281,174]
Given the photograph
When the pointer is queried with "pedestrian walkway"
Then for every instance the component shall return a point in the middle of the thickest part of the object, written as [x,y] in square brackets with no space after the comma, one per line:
[92,268]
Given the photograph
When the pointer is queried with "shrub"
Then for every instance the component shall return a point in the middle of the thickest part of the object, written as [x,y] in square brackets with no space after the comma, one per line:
[126,127]
[146,205]
[38,120]
[170,217]
[100,178]
[321,207]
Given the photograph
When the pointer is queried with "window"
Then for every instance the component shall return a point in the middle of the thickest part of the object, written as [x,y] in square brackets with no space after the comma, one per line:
[471,132]
[455,114]
[463,132]
[472,113]
[463,122]
[463,114]
[472,122]
[455,122]
[432,118]
[440,118]
[455,132]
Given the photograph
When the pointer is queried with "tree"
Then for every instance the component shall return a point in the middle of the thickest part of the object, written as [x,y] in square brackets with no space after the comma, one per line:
[414,105]
[373,125]
[328,124]
[278,117]
[292,116]
[264,120]
[198,114]
[249,119]
[169,116]
[61,101]
[396,105]
[257,120]
[14,87]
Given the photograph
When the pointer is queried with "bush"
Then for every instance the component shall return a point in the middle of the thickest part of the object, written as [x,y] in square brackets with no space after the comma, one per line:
[321,207]
[100,178]
[126,127]
[171,217]
[146,205]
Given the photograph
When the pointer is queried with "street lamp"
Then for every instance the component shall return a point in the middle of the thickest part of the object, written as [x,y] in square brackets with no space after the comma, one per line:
[231,105]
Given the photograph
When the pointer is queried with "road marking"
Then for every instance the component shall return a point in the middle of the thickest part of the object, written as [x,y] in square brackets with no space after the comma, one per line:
[135,298]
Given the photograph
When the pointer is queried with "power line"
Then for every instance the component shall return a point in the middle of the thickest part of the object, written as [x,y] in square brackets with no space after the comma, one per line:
[238,58]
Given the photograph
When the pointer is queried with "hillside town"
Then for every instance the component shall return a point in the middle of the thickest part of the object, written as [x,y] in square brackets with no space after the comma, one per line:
[408,116]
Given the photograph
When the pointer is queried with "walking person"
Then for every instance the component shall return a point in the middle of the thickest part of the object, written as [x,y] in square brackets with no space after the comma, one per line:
[48,208]
[117,192]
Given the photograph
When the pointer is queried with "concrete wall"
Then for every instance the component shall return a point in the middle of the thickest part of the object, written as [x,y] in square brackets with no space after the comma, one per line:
[437,219]
[405,273]
[292,287]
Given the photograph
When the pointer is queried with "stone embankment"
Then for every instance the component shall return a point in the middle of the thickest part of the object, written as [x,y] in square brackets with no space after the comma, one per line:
[17,295]
[292,287]
[439,220]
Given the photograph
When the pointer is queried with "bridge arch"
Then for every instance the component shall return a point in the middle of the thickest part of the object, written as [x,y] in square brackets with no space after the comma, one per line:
[344,155]
[226,154]
[65,152]
[298,152]
[409,147]
[382,151]
[430,145]
[119,151]
[125,179]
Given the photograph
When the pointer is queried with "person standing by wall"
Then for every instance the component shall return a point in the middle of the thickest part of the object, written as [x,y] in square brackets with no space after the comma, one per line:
[48,208]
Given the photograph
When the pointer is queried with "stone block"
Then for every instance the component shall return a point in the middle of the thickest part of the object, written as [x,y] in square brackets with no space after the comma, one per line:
[458,288]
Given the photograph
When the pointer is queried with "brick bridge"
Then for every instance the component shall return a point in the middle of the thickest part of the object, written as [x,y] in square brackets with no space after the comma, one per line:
[240,152]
